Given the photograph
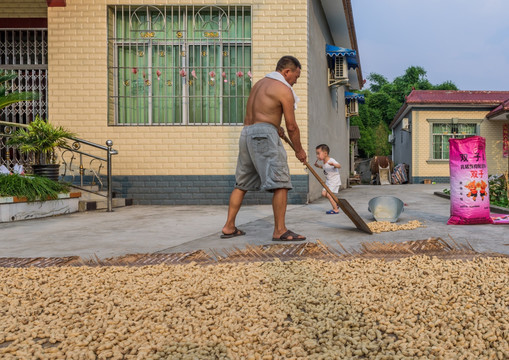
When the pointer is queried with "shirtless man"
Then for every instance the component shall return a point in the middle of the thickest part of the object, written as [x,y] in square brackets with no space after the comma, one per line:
[262,162]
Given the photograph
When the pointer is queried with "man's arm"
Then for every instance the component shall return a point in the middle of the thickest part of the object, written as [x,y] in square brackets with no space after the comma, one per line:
[249,119]
[287,102]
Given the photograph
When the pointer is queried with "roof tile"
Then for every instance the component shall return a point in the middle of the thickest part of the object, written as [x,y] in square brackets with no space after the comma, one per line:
[456,97]
[504,107]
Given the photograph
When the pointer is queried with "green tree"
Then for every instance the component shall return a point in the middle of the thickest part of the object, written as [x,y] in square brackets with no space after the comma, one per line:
[381,136]
[377,81]
[13,97]
[383,99]
[365,143]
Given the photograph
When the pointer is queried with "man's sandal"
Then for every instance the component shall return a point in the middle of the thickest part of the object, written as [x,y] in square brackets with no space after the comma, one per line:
[290,234]
[236,232]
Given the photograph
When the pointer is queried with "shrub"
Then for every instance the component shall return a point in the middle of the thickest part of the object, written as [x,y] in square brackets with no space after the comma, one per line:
[498,190]
[32,187]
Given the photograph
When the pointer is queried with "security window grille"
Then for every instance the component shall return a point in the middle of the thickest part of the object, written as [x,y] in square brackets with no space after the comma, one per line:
[25,52]
[179,64]
[443,132]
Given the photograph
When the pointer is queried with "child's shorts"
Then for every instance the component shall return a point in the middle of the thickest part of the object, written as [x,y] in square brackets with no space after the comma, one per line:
[262,162]
[334,189]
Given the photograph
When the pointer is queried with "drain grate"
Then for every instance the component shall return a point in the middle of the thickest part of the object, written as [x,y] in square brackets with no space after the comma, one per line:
[156,259]
[38,262]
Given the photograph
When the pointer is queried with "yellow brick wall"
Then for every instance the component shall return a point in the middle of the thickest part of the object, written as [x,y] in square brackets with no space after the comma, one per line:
[491,130]
[23,9]
[78,85]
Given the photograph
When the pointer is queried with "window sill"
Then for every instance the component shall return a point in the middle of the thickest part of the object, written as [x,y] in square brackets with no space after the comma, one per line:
[436,161]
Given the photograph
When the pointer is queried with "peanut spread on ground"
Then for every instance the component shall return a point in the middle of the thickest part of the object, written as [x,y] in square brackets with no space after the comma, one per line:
[416,307]
[382,226]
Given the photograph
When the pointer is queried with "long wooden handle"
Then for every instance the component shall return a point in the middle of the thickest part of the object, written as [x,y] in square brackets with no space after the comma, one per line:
[334,197]
[342,203]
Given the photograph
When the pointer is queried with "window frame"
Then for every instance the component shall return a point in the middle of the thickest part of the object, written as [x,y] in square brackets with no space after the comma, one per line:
[184,12]
[452,121]
[24,51]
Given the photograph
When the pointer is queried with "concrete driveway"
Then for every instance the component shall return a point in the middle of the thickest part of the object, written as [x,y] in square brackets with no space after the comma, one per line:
[148,229]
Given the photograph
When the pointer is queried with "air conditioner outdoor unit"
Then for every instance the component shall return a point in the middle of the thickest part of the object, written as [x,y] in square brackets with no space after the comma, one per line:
[339,74]
[340,69]
[405,125]
[352,108]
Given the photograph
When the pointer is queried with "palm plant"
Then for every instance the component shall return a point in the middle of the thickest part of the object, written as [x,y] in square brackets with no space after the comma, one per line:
[40,138]
[13,97]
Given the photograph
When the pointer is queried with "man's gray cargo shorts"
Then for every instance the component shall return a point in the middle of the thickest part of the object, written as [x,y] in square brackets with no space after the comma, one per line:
[262,162]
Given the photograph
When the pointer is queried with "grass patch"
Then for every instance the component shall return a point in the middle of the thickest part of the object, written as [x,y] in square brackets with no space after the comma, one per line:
[32,187]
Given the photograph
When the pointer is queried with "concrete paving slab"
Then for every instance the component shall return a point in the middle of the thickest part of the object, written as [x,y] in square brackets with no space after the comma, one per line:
[133,229]
[421,204]
[148,229]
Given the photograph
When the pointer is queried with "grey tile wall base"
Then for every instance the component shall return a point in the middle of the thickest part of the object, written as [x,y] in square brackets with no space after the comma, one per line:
[197,190]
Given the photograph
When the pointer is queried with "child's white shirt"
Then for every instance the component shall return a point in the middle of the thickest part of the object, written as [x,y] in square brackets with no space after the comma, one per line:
[333,180]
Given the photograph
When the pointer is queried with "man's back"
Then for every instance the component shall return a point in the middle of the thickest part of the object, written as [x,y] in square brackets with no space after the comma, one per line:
[264,103]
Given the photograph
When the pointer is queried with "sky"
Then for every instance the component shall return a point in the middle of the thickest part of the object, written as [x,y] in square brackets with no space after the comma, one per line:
[464,41]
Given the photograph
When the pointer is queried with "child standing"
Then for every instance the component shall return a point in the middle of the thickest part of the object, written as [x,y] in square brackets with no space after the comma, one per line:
[331,170]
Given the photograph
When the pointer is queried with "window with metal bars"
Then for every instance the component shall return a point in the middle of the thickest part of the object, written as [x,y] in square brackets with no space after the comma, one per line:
[25,52]
[182,65]
[442,132]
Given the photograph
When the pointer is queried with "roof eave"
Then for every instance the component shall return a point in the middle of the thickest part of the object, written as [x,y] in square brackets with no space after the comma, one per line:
[339,16]
[56,3]
[496,112]
[403,110]
[347,4]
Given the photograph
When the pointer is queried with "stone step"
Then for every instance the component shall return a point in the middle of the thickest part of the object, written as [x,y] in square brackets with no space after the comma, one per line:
[93,197]
[96,195]
[102,204]
[89,187]
[86,195]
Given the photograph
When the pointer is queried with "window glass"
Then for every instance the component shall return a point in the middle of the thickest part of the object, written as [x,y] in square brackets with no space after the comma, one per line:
[442,132]
[179,64]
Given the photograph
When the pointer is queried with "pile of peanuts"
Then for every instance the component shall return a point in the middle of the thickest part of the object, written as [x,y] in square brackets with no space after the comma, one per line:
[382,226]
[416,307]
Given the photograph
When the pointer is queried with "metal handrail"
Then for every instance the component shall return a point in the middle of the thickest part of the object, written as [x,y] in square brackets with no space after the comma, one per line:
[109,152]
[8,123]
[84,153]
[102,147]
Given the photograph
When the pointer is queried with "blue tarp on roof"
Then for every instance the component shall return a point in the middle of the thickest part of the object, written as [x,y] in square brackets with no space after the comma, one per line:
[333,51]
[353,96]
